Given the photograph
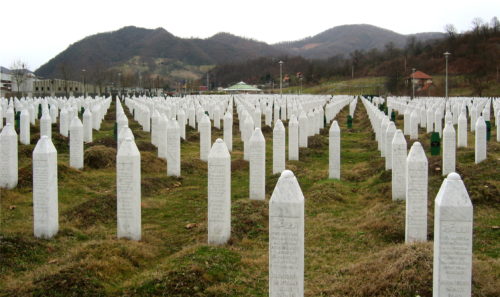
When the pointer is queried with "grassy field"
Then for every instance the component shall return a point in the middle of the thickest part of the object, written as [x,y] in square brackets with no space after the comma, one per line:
[354,233]
[458,86]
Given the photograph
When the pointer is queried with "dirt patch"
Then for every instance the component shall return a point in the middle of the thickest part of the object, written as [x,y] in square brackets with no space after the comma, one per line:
[18,252]
[403,270]
[25,176]
[239,165]
[364,170]
[386,221]
[100,156]
[317,142]
[93,212]
[26,150]
[108,141]
[250,219]
[194,166]
[482,188]
[192,135]
[266,130]
[60,142]
[154,185]
[71,281]
[271,182]
[435,165]
[150,163]
[198,273]
[64,172]
[325,192]
[144,146]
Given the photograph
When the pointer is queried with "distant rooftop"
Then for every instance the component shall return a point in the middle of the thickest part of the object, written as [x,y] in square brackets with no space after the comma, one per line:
[420,75]
[242,87]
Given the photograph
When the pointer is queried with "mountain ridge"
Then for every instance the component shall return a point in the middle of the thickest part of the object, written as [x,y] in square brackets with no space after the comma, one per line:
[157,51]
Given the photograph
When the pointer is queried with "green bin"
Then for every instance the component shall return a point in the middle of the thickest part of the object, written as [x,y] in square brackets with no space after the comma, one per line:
[435,144]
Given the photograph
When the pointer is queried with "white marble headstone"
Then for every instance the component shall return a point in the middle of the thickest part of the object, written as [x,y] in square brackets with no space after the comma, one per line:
[8,157]
[45,189]
[480,140]
[128,190]
[173,149]
[334,151]
[76,144]
[416,194]
[205,137]
[449,149]
[286,238]
[219,193]
[398,159]
[453,222]
[279,143]
[257,146]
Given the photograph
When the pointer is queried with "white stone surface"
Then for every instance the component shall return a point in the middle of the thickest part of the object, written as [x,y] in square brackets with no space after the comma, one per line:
[181,120]
[389,136]
[257,146]
[303,129]
[449,149]
[8,157]
[128,190]
[76,144]
[293,138]
[162,137]
[462,130]
[219,193]
[398,156]
[453,221]
[407,121]
[46,125]
[228,130]
[64,122]
[286,238]
[248,127]
[24,129]
[438,122]
[87,125]
[334,151]
[173,149]
[279,145]
[480,141]
[498,126]
[45,189]
[382,136]
[205,137]
[414,121]
[416,194]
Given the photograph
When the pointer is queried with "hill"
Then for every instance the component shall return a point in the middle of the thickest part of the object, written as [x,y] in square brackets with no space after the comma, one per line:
[145,54]
[135,50]
[345,39]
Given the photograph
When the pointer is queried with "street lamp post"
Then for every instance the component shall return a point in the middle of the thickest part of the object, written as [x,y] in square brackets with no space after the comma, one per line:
[281,78]
[413,83]
[446,76]
[84,88]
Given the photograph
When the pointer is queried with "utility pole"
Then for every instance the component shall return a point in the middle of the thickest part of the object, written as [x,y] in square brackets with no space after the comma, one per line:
[446,77]
[413,83]
[208,81]
[281,78]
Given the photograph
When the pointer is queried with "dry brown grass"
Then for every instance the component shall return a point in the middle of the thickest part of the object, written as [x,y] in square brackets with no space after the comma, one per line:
[401,270]
[100,156]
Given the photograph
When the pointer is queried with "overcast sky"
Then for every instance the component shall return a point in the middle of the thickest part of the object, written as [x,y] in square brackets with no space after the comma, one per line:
[35,31]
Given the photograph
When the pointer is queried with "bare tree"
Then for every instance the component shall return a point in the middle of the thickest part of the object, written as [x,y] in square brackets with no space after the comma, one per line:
[450,30]
[495,24]
[477,23]
[64,72]
[19,73]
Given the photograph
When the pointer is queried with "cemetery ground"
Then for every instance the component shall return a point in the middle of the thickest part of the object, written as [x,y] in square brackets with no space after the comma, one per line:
[459,86]
[354,232]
